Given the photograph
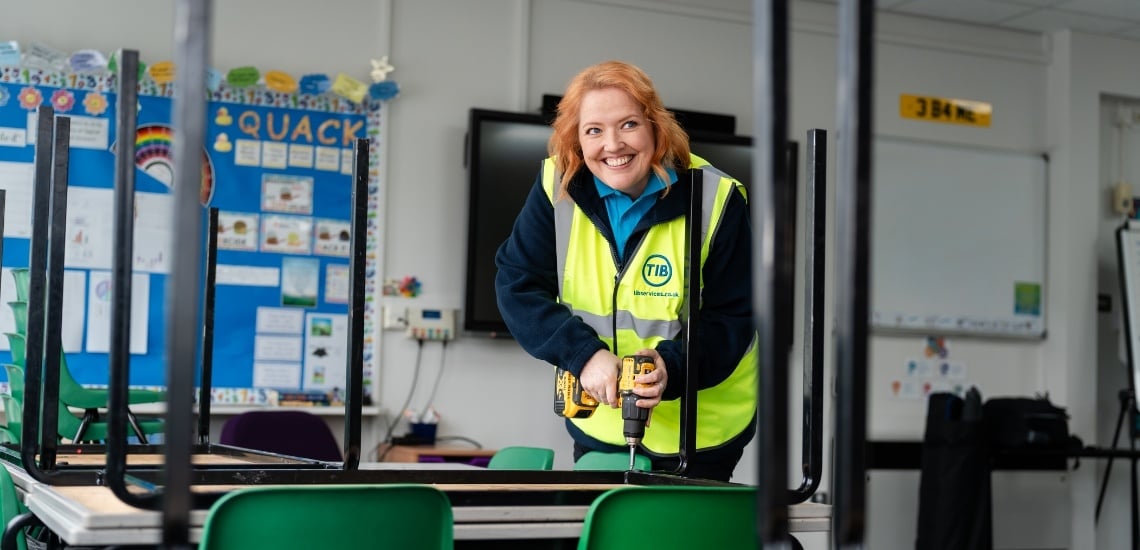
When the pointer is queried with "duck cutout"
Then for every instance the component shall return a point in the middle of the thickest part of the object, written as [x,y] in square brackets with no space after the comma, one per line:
[222,143]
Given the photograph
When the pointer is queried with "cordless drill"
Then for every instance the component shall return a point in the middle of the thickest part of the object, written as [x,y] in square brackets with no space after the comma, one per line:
[634,416]
[571,401]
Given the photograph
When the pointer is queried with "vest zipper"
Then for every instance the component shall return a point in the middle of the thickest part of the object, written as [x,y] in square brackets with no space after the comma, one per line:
[622,267]
[613,309]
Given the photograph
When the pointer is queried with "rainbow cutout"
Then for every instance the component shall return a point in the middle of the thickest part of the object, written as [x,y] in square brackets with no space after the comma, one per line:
[154,156]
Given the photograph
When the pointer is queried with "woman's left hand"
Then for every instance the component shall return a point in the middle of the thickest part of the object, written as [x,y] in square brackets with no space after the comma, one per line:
[649,387]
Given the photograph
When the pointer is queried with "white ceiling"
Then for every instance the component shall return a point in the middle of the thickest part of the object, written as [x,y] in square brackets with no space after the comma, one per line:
[1120,18]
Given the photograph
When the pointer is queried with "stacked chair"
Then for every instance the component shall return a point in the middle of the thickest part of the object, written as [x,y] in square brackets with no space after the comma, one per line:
[404,516]
[597,460]
[71,393]
[522,458]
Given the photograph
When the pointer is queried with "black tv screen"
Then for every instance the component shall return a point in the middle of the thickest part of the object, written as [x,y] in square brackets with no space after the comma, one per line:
[504,153]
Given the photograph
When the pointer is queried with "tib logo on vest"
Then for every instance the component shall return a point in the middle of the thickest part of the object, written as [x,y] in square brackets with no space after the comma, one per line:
[657,271]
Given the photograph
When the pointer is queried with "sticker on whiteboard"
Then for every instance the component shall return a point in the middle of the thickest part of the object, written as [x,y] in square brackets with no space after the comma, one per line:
[936,346]
[906,389]
[1027,298]
[918,368]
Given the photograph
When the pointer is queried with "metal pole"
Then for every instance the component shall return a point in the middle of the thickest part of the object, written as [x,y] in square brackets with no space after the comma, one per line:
[770,73]
[205,383]
[37,273]
[121,271]
[815,224]
[53,306]
[354,394]
[853,253]
[191,52]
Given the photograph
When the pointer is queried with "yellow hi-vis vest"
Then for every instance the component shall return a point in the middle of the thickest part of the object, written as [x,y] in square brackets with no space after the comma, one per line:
[642,305]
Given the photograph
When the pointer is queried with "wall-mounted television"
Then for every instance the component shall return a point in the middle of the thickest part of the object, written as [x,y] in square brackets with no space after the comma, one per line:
[504,153]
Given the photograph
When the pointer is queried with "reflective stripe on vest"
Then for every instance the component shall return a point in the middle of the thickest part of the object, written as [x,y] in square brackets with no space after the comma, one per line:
[650,302]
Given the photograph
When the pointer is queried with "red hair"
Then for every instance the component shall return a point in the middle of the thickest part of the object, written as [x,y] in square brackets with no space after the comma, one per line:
[670,140]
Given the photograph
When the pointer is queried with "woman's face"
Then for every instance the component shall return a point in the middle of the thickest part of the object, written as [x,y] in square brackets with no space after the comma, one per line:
[617,140]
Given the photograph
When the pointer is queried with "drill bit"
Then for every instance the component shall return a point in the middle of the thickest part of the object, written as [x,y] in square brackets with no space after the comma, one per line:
[631,455]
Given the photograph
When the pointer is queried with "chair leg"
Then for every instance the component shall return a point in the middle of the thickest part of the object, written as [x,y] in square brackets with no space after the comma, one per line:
[89,416]
[136,427]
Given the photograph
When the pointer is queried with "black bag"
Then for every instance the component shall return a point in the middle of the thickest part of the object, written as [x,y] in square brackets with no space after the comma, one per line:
[1026,423]
[954,499]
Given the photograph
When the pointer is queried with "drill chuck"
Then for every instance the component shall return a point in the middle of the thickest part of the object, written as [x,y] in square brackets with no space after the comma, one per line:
[635,417]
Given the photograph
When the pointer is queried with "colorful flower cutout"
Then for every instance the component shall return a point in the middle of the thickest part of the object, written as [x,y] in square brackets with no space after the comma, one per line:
[30,98]
[4,96]
[410,287]
[95,103]
[62,100]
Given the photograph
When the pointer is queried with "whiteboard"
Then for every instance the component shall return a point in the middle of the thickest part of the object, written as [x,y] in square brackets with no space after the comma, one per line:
[1128,256]
[957,240]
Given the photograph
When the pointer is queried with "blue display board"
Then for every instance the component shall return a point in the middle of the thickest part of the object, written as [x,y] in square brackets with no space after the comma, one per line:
[278,168]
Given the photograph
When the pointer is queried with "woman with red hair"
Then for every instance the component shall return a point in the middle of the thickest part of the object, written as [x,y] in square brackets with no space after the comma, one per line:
[594,269]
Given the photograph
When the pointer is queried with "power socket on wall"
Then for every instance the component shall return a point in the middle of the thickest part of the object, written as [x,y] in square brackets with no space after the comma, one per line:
[430,324]
[395,318]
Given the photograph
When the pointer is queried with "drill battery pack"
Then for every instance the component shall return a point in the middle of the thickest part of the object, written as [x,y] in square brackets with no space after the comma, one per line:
[570,400]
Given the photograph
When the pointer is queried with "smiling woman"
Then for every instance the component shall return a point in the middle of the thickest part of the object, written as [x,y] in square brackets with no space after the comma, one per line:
[602,210]
[616,140]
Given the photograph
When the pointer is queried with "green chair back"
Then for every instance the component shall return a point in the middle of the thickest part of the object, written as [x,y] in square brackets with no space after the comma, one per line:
[15,375]
[71,391]
[14,418]
[20,274]
[68,422]
[20,315]
[404,516]
[684,517]
[12,401]
[597,460]
[16,345]
[522,458]
[10,505]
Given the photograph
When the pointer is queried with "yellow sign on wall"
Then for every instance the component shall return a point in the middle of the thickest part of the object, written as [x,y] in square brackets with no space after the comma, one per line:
[946,110]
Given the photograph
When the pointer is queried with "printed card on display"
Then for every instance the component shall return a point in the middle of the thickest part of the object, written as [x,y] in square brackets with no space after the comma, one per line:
[237,231]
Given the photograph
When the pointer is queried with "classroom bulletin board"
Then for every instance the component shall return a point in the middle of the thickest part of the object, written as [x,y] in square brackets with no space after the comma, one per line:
[277,166]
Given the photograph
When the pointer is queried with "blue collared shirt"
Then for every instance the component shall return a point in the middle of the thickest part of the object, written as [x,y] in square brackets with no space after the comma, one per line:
[625,211]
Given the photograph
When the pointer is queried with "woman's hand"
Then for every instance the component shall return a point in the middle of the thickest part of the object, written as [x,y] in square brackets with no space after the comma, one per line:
[599,377]
[649,387]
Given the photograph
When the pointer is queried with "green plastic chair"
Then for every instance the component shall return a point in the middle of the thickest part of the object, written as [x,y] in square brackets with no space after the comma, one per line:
[404,516]
[21,276]
[597,460]
[684,517]
[69,425]
[70,391]
[73,394]
[13,416]
[20,315]
[522,458]
[10,505]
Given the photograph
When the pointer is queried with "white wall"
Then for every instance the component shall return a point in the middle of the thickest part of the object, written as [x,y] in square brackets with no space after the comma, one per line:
[1085,80]
[451,55]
